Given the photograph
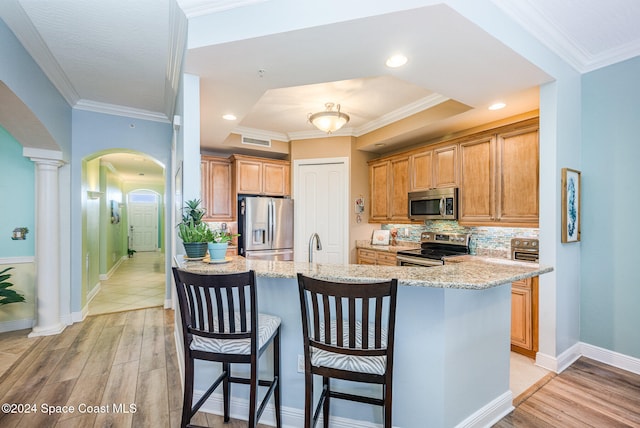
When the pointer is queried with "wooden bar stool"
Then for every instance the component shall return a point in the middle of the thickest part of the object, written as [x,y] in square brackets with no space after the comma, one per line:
[348,331]
[220,322]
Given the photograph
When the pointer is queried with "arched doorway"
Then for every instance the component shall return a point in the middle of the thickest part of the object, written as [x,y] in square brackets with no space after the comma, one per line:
[111,280]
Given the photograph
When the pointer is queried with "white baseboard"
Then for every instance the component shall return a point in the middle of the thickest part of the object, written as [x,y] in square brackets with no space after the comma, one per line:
[491,413]
[168,304]
[116,265]
[606,356]
[562,361]
[14,325]
[611,358]
[81,315]
[95,290]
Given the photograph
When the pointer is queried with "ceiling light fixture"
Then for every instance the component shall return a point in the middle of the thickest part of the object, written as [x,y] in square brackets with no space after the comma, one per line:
[329,120]
[229,117]
[396,61]
[497,106]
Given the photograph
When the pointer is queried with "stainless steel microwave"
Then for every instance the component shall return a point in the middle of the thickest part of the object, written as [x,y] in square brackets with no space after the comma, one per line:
[434,204]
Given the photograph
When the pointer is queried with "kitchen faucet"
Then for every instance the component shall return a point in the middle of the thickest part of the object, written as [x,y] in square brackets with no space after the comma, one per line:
[318,245]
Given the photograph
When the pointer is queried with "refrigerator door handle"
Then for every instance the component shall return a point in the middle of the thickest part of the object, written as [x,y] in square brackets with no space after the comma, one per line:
[272,221]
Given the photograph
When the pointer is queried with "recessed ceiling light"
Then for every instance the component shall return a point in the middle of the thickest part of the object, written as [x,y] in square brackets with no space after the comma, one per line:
[396,61]
[379,144]
[497,106]
[229,117]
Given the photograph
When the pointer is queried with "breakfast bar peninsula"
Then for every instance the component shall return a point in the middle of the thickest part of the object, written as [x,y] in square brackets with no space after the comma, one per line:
[452,342]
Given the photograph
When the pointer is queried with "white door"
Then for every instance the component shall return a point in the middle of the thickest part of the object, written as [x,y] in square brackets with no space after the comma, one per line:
[143,226]
[321,192]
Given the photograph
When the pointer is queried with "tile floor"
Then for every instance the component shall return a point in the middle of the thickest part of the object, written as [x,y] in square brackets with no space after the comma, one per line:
[524,374]
[139,282]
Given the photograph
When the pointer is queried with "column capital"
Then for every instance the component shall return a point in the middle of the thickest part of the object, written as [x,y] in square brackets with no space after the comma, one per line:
[51,162]
[43,156]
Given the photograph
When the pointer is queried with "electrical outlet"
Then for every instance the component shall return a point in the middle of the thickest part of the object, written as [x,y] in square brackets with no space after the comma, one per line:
[300,363]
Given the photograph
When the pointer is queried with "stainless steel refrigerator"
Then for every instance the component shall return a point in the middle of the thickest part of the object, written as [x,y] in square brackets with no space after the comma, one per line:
[266,228]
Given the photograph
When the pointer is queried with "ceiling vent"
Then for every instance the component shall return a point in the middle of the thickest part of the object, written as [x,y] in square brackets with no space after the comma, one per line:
[256,141]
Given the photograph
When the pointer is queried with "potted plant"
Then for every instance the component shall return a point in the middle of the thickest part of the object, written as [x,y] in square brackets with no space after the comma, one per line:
[8,296]
[192,231]
[219,243]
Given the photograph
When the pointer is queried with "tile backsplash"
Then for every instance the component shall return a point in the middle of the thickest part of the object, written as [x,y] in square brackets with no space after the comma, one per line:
[485,241]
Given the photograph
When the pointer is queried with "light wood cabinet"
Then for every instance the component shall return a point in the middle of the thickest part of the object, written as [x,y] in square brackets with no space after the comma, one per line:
[497,172]
[375,257]
[389,188]
[519,182]
[476,198]
[216,183]
[500,179]
[379,191]
[421,170]
[445,166]
[399,190]
[434,168]
[258,176]
[386,259]
[524,316]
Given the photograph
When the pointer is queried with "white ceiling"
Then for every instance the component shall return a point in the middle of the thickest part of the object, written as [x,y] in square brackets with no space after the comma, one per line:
[124,57]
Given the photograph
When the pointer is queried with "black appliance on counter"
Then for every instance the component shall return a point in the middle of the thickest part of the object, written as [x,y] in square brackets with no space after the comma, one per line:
[433,248]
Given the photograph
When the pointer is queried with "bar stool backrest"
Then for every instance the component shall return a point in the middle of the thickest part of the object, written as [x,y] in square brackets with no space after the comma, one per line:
[348,318]
[218,306]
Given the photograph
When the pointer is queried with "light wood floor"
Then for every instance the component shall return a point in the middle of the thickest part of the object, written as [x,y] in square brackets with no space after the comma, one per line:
[129,358]
[587,394]
[107,361]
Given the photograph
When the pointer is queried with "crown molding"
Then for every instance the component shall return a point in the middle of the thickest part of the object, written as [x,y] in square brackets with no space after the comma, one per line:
[307,135]
[541,27]
[33,43]
[178,24]
[117,110]
[402,113]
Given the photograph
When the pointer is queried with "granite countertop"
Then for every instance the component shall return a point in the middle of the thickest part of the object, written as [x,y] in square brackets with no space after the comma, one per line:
[473,273]
[387,248]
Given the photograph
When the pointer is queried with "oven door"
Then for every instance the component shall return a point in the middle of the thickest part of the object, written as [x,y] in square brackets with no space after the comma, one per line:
[417,261]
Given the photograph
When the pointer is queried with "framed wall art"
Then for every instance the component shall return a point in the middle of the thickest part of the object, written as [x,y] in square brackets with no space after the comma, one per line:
[571,196]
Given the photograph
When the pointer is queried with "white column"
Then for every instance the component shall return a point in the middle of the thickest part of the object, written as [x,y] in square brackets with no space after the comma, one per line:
[47,248]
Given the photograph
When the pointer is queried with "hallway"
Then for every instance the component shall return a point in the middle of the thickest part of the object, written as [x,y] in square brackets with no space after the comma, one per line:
[139,282]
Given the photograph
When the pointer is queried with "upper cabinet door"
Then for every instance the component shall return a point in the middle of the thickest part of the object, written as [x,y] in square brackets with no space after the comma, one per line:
[421,167]
[217,189]
[249,176]
[399,189]
[445,166]
[259,176]
[519,182]
[477,186]
[276,179]
[379,191]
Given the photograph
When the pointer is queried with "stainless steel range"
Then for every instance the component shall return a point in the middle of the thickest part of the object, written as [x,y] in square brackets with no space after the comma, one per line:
[433,248]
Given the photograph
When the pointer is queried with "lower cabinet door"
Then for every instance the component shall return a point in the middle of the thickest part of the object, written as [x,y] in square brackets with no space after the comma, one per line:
[521,315]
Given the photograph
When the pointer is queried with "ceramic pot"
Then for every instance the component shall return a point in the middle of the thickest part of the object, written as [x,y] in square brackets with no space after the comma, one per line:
[217,250]
[195,250]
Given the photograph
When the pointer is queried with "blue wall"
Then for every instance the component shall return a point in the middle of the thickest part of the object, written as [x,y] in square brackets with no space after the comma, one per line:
[23,76]
[610,299]
[17,192]
[95,134]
